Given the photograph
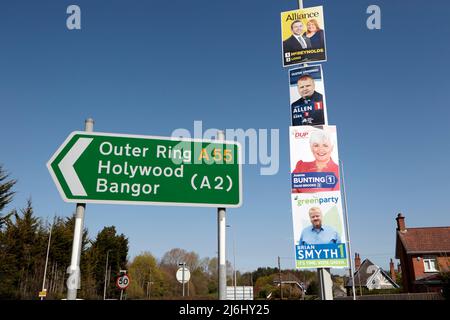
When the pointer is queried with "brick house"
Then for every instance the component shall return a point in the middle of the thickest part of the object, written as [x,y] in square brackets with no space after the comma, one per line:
[423,254]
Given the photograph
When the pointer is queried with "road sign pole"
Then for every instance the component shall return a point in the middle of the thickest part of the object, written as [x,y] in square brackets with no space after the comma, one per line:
[221,228]
[183,279]
[222,258]
[73,282]
[326,284]
[347,231]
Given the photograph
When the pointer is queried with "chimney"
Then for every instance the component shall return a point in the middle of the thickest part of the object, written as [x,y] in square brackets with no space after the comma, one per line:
[400,223]
[392,270]
[399,268]
[357,261]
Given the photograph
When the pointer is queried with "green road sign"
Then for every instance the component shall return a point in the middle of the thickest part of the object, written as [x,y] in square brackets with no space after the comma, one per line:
[93,167]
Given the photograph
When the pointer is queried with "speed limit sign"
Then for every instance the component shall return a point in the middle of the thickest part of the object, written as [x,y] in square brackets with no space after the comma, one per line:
[123,281]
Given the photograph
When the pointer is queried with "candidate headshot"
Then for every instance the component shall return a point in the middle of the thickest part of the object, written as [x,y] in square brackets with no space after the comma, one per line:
[309,109]
[321,145]
[317,233]
[315,34]
[297,41]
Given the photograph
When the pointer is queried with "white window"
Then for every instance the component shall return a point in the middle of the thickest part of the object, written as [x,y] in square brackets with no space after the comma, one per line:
[430,264]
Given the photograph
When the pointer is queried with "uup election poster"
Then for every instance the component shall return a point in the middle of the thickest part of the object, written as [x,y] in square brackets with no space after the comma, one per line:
[307,96]
[314,159]
[303,36]
[319,234]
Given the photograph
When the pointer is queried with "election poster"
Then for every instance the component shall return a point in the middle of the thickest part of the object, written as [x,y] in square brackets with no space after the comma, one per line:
[319,232]
[303,36]
[314,159]
[307,96]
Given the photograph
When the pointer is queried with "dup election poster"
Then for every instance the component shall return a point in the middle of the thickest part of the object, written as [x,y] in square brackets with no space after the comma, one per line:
[303,36]
[307,96]
[319,234]
[314,159]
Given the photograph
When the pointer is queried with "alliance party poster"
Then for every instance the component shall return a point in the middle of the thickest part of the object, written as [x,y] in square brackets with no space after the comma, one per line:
[303,36]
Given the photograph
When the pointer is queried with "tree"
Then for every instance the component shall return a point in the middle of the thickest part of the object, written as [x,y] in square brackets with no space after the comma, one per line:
[117,245]
[264,286]
[60,257]
[146,277]
[6,193]
[173,257]
[23,255]
[313,288]
[445,278]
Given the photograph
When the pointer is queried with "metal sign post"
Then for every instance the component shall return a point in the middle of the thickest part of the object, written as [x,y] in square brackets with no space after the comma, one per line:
[183,269]
[182,279]
[73,282]
[326,284]
[222,269]
[122,282]
[221,233]
[352,270]
[183,275]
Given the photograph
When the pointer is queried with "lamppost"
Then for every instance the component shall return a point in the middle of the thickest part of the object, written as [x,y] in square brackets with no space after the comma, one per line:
[46,258]
[106,275]
[234,262]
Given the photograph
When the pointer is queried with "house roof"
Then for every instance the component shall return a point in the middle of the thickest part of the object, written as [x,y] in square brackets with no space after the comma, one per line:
[365,272]
[429,280]
[425,240]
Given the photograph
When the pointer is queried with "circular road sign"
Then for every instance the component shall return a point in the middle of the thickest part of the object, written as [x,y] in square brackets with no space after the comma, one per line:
[187,275]
[123,281]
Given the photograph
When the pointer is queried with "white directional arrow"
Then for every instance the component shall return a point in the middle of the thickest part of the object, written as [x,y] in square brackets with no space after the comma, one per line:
[67,163]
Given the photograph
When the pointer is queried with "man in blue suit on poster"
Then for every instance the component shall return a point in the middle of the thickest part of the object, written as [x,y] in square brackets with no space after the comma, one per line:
[309,109]
[298,41]
[318,233]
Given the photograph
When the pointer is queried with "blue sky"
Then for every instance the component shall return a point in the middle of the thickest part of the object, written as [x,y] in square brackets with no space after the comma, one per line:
[150,67]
